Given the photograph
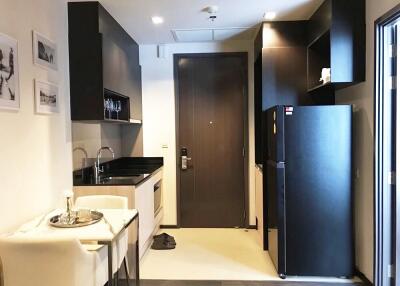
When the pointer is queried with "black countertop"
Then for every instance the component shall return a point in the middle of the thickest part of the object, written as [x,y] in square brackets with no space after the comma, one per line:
[125,171]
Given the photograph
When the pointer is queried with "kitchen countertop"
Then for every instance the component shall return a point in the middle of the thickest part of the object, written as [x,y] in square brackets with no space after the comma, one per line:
[125,171]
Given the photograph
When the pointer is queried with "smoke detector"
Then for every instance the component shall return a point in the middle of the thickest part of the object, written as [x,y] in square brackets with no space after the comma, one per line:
[213,9]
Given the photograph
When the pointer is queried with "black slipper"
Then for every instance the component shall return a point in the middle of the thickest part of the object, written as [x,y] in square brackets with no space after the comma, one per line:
[165,237]
[162,245]
[167,240]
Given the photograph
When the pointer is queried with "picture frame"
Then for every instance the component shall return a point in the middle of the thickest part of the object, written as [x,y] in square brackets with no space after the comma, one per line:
[45,52]
[9,73]
[46,97]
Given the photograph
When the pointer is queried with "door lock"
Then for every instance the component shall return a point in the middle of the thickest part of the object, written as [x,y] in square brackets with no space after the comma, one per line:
[184,158]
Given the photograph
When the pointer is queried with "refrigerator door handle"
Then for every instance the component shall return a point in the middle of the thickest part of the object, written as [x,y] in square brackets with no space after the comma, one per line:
[277,165]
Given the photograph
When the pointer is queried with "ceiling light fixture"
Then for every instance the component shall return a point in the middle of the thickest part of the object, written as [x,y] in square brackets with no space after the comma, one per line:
[269,15]
[157,20]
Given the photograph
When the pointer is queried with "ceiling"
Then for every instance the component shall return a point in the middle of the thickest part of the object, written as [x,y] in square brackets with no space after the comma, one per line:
[182,15]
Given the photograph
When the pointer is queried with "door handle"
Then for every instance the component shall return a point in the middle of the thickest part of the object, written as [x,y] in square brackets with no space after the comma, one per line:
[184,158]
[184,162]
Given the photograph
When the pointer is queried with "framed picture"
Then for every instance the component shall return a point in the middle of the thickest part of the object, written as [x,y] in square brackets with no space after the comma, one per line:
[9,73]
[44,52]
[46,97]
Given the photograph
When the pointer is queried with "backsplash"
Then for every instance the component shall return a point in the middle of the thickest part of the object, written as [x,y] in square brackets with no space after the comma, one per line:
[87,138]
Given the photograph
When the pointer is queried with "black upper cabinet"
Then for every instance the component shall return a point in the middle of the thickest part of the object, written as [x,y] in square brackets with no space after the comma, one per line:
[280,73]
[337,41]
[284,64]
[104,65]
[320,21]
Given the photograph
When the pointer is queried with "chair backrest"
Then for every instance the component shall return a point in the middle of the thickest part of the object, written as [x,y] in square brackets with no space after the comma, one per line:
[108,202]
[101,202]
[49,262]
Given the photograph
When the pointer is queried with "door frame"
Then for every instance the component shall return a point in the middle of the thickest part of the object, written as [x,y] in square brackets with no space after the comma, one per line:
[385,201]
[244,57]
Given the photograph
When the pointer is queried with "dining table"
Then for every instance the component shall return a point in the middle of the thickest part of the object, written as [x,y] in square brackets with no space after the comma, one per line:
[104,233]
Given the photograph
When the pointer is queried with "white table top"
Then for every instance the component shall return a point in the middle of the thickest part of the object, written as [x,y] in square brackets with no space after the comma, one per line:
[114,221]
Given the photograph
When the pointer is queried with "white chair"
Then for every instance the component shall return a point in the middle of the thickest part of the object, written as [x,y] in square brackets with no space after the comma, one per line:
[102,202]
[120,248]
[50,262]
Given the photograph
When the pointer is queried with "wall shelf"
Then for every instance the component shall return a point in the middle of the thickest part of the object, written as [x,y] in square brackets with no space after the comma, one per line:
[117,121]
[336,41]
[321,86]
[318,57]
[135,121]
[114,98]
[106,121]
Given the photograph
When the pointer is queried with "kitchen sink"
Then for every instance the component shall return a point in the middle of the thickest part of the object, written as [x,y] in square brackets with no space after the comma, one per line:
[122,177]
[119,178]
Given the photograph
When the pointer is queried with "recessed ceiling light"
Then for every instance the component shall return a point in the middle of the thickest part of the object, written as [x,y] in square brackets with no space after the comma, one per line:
[157,20]
[269,15]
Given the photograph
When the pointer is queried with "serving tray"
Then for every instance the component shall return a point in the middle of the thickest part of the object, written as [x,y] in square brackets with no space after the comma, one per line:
[78,219]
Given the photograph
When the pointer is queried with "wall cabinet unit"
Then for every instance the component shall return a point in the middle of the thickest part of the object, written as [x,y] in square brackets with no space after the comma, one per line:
[290,55]
[337,41]
[104,64]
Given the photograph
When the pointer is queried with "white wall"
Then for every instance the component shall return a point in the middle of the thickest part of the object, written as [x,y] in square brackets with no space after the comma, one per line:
[35,150]
[159,113]
[362,96]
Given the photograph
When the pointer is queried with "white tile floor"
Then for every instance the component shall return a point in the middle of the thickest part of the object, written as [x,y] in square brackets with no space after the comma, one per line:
[214,254]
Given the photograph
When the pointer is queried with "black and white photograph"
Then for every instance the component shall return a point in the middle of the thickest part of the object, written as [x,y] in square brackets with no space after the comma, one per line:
[9,82]
[46,97]
[44,51]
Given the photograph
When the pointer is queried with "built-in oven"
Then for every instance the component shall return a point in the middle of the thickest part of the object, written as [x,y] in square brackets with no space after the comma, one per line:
[157,197]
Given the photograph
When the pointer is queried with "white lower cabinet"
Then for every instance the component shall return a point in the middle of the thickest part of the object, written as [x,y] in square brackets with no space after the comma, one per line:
[144,203]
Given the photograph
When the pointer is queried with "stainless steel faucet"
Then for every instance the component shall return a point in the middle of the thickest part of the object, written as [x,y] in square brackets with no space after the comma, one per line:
[97,168]
[84,161]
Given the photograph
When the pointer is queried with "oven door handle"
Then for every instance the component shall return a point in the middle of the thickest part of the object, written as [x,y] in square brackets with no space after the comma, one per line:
[157,186]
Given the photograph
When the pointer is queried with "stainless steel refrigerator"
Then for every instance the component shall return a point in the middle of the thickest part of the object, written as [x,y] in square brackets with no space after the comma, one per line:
[308,196]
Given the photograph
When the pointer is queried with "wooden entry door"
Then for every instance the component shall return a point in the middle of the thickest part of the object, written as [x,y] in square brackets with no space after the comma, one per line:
[211,99]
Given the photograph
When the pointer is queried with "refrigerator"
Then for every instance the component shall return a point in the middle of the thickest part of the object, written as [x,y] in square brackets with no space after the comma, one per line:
[308,198]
